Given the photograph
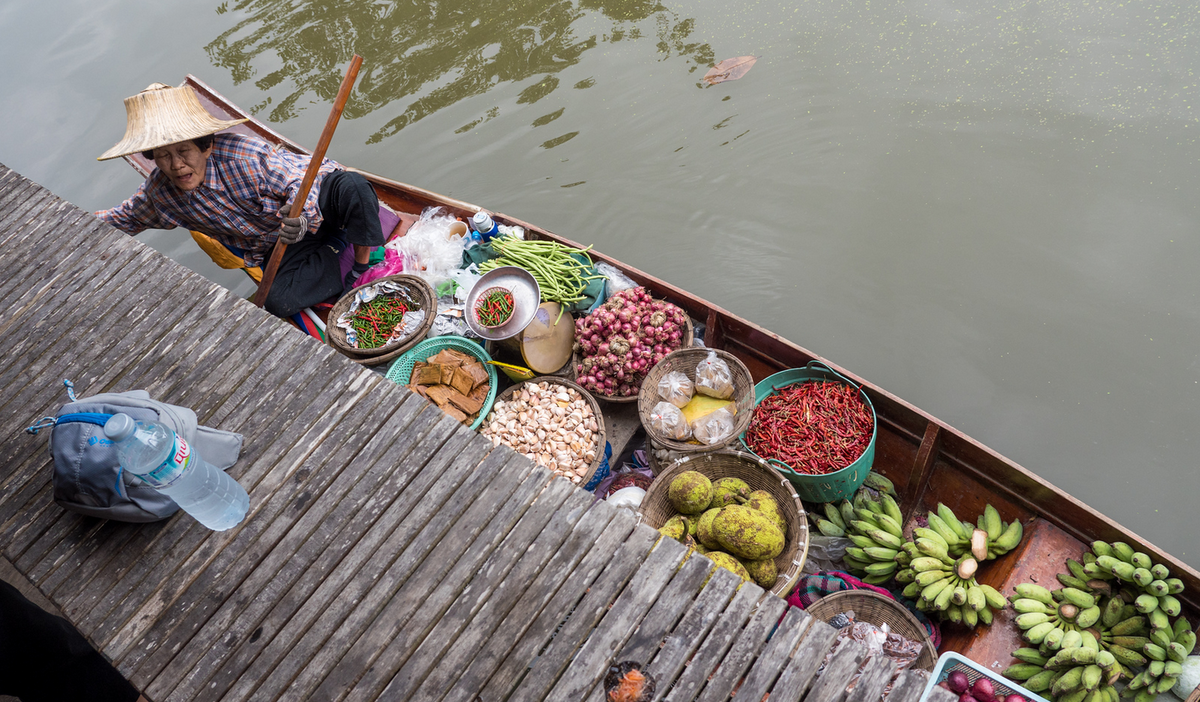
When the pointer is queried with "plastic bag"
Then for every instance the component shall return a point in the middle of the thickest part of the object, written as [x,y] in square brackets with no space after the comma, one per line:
[676,388]
[630,497]
[617,281]
[825,553]
[668,420]
[449,321]
[428,250]
[393,264]
[713,377]
[464,279]
[714,427]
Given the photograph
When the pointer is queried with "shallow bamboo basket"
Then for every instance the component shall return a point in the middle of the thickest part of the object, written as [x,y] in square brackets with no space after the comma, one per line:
[591,401]
[656,508]
[420,293]
[874,608]
[685,361]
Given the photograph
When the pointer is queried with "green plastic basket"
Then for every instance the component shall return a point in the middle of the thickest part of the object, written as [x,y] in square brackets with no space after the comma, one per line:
[401,369]
[839,484]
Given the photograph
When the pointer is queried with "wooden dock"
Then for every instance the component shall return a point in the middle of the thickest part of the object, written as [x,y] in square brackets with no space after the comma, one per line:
[389,552]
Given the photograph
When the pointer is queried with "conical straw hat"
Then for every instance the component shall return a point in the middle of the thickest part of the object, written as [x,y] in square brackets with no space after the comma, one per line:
[161,115]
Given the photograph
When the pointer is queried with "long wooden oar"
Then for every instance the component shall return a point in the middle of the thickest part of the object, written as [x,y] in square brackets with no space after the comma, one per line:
[310,175]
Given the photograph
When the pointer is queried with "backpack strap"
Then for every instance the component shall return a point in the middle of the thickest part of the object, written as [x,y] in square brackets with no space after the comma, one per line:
[97,418]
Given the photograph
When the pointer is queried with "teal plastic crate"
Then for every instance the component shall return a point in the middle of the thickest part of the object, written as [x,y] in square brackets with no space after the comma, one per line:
[401,369]
[951,661]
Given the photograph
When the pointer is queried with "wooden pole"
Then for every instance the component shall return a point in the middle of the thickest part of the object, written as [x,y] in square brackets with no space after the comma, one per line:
[310,175]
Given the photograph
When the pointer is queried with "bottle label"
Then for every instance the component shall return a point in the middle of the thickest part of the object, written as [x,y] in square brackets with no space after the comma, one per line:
[173,468]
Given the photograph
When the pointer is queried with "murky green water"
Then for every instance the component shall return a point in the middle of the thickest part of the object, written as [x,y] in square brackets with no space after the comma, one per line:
[989,209]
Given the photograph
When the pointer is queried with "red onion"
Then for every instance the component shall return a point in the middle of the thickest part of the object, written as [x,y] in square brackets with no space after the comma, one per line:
[983,690]
[958,681]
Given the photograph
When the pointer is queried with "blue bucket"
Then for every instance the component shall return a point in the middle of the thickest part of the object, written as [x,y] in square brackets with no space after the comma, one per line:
[830,487]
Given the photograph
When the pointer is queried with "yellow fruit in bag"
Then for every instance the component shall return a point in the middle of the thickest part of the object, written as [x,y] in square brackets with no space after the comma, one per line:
[703,405]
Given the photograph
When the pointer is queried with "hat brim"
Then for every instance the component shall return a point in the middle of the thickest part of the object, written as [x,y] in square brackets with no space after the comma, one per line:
[143,141]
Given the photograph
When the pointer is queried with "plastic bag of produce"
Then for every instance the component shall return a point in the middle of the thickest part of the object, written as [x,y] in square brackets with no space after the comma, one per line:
[676,388]
[713,427]
[713,377]
[668,420]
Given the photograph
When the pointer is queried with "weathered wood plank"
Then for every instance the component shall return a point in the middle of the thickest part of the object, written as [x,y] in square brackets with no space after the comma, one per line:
[243,571]
[26,265]
[910,685]
[421,643]
[588,666]
[518,659]
[719,639]
[830,685]
[550,663]
[83,594]
[561,541]
[298,626]
[19,541]
[399,589]
[875,676]
[263,478]
[435,583]
[795,679]
[745,649]
[770,662]
[595,537]
[181,537]
[409,440]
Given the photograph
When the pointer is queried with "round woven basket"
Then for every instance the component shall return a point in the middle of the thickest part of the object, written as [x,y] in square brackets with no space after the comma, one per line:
[419,293]
[656,508]
[685,361]
[576,359]
[874,608]
[507,394]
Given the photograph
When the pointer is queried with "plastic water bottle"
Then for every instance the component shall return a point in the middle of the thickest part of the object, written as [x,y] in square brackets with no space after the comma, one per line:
[165,461]
[483,224]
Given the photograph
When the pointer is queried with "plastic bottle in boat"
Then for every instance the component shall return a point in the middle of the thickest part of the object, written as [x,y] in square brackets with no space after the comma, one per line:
[165,461]
[482,223]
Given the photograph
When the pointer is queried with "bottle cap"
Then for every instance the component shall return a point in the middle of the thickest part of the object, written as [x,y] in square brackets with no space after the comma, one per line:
[483,221]
[119,426]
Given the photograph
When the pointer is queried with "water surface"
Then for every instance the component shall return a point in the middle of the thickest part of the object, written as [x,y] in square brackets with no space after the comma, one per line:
[988,209]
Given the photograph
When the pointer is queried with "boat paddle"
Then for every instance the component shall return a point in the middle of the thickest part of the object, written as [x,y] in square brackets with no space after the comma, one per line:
[310,175]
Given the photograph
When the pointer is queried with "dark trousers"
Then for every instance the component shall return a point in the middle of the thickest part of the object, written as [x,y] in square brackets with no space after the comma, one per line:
[42,657]
[310,271]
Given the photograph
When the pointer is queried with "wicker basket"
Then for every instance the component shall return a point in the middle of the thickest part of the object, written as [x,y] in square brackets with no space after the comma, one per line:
[685,361]
[400,372]
[576,359]
[656,509]
[555,380]
[423,297]
[874,608]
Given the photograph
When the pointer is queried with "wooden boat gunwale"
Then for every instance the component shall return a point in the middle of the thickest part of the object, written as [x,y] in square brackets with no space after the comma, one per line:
[939,457]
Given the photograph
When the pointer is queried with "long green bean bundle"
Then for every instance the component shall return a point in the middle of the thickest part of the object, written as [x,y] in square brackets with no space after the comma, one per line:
[561,277]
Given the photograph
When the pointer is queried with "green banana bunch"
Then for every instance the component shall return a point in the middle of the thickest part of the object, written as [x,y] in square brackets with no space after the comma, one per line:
[877,482]
[1163,663]
[1151,584]
[874,525]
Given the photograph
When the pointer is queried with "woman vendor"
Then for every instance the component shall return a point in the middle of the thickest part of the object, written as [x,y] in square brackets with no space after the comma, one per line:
[238,189]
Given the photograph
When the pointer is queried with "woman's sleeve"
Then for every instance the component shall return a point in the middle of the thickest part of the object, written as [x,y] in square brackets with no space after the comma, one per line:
[135,215]
[284,172]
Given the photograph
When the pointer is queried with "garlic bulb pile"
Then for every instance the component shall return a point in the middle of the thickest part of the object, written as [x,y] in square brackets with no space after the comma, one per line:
[551,424]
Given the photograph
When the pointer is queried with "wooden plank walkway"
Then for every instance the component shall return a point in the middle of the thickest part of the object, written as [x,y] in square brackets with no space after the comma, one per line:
[389,552]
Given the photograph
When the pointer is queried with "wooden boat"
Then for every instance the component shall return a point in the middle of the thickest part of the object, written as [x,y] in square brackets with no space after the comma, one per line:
[928,460]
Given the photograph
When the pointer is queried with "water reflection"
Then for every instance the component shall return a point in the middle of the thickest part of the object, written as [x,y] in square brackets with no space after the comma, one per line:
[433,54]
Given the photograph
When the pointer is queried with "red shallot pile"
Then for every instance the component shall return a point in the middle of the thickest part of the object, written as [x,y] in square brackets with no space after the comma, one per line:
[981,691]
[622,340]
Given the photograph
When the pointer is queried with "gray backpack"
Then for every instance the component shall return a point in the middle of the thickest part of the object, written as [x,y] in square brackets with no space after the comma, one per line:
[87,475]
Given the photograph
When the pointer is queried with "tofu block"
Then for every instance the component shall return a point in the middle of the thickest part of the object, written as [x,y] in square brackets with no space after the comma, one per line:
[458,416]
[440,394]
[464,403]
[462,381]
[477,372]
[425,374]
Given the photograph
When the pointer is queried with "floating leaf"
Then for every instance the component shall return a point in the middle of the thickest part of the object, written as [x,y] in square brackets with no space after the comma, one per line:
[729,69]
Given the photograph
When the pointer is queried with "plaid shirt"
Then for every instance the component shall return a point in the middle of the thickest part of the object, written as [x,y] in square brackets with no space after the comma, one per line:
[247,183]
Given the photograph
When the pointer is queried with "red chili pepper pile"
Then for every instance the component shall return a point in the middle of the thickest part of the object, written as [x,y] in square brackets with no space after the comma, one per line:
[494,307]
[815,427]
[375,321]
[629,480]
